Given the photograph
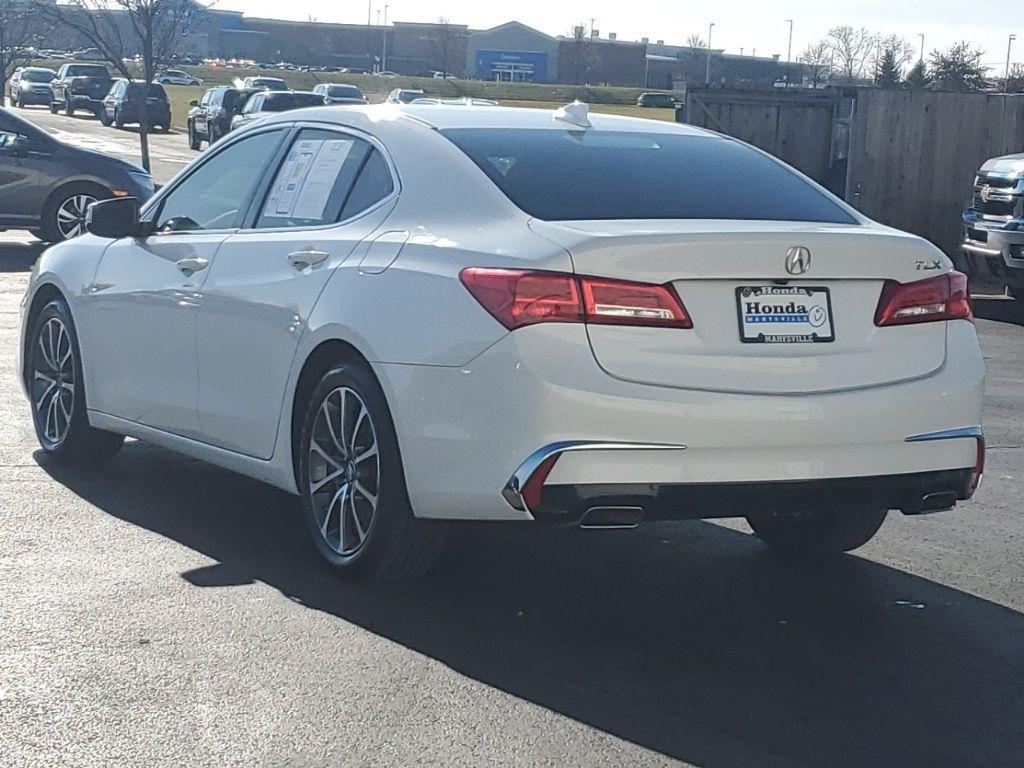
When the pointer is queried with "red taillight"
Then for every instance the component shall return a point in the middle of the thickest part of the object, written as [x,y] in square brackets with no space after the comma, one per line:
[945,297]
[617,302]
[518,297]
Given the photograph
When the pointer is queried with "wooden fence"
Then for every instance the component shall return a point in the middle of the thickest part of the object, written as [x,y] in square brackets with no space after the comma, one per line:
[904,158]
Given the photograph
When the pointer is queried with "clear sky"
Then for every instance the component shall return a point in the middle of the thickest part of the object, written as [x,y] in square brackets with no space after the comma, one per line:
[746,24]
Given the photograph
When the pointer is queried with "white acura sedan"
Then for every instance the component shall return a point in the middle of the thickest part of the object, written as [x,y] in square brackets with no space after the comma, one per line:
[407,314]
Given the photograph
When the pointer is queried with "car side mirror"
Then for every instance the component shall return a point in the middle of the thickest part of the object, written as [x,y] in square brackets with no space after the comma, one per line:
[114,218]
[194,103]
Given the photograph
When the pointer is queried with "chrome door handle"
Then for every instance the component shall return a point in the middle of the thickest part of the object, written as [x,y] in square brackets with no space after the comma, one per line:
[308,258]
[192,265]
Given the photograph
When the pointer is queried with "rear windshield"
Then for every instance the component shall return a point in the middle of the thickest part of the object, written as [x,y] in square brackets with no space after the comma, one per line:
[347,91]
[155,91]
[282,102]
[87,70]
[268,82]
[37,75]
[561,175]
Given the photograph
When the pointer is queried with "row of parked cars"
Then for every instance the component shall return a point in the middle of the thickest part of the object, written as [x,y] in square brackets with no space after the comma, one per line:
[90,87]
[225,108]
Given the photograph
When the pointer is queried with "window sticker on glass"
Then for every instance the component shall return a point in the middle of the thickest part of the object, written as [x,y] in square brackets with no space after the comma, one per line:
[321,178]
[307,178]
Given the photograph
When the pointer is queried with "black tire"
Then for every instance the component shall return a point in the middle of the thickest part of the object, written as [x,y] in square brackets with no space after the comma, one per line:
[165,129]
[395,545]
[118,118]
[50,230]
[211,135]
[15,102]
[69,108]
[820,532]
[194,142]
[104,117]
[54,107]
[77,443]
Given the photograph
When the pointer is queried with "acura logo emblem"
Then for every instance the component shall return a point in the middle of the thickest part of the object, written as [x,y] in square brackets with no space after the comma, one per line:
[798,260]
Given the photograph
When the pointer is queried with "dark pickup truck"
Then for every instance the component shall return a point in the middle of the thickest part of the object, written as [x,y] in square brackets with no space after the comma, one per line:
[80,86]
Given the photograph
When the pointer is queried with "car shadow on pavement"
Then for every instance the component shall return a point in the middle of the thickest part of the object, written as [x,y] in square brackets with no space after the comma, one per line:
[19,256]
[689,639]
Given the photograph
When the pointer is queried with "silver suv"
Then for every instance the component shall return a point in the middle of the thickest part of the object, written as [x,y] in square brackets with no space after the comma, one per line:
[993,244]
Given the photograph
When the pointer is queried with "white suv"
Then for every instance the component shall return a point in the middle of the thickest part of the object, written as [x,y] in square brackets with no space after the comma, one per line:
[412,314]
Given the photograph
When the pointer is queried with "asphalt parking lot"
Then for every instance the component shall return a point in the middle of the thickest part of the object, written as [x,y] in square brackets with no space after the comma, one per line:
[165,612]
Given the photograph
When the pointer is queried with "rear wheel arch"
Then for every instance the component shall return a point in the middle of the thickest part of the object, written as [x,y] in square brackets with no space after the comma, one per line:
[326,355]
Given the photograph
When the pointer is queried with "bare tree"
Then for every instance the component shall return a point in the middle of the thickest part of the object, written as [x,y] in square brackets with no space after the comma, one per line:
[853,49]
[817,58]
[16,35]
[902,50]
[696,41]
[124,29]
[445,44]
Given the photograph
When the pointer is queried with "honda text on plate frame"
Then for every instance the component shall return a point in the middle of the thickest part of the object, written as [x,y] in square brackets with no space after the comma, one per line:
[778,314]
[409,314]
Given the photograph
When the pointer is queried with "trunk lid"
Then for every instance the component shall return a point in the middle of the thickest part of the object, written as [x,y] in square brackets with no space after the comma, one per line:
[709,263]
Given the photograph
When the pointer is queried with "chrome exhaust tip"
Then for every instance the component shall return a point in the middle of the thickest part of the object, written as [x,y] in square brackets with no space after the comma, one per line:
[605,518]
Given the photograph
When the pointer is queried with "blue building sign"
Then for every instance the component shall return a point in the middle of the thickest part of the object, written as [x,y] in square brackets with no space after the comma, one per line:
[512,66]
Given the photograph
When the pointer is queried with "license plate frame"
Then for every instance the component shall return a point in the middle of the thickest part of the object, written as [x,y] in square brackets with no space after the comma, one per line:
[809,326]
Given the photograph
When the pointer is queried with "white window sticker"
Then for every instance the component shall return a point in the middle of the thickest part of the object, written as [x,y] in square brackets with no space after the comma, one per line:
[321,179]
[307,178]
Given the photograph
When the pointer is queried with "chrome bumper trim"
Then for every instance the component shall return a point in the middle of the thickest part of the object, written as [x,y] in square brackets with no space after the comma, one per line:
[972,248]
[947,434]
[512,490]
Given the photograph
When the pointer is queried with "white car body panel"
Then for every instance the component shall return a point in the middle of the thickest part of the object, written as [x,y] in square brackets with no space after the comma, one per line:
[471,400]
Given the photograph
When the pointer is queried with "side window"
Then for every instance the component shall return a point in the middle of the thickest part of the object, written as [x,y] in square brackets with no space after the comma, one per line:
[206,99]
[216,194]
[253,104]
[314,180]
[373,185]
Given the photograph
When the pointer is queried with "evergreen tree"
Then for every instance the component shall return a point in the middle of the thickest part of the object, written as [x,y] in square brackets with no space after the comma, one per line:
[918,78]
[887,70]
[958,68]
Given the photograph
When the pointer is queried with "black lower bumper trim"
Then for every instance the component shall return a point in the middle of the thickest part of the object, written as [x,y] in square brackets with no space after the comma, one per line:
[910,493]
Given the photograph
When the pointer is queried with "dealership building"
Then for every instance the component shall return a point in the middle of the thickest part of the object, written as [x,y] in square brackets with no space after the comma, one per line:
[512,52]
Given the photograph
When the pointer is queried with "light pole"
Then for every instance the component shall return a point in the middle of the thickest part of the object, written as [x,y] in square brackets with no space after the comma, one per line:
[384,35]
[707,69]
[369,12]
[922,48]
[1006,80]
[789,51]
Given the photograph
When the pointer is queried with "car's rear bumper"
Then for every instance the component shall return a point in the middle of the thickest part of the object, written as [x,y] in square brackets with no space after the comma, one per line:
[602,505]
[465,432]
[83,101]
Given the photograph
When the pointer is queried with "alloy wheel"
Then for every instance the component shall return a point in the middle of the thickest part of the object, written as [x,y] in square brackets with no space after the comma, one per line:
[344,470]
[71,215]
[53,381]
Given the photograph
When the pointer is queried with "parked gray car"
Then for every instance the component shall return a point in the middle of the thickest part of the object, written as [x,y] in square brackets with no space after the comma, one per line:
[46,185]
